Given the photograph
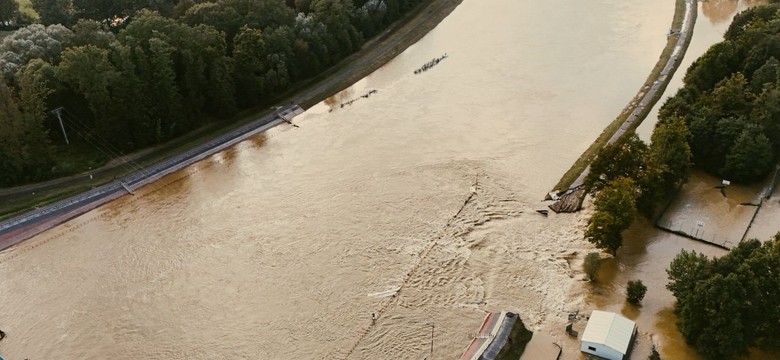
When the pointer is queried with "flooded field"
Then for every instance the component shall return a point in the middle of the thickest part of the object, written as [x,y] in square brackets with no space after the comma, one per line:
[647,251]
[707,211]
[415,204]
[767,220]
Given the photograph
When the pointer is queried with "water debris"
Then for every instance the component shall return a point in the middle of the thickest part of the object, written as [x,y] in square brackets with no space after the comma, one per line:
[570,202]
[364,96]
[430,64]
[387,293]
[472,192]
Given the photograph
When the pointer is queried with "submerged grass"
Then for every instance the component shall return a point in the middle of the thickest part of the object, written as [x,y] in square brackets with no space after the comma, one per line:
[590,153]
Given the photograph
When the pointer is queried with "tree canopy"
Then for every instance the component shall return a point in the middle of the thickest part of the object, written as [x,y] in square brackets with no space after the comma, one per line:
[615,211]
[623,158]
[732,92]
[726,305]
[134,73]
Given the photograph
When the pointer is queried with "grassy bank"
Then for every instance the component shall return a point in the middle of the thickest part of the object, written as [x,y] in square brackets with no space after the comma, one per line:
[375,53]
[585,159]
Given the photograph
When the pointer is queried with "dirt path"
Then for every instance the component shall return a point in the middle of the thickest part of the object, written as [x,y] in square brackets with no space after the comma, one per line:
[650,93]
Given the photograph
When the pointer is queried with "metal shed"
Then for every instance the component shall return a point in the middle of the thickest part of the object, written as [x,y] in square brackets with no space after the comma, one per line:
[608,335]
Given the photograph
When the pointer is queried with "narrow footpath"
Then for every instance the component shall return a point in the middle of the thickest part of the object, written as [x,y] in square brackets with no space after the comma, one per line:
[570,199]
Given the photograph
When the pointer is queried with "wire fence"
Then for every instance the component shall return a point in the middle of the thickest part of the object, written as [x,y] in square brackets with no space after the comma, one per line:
[697,231]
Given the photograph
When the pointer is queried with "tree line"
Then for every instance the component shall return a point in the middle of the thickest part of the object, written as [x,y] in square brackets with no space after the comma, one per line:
[725,121]
[631,178]
[731,99]
[727,305]
[135,73]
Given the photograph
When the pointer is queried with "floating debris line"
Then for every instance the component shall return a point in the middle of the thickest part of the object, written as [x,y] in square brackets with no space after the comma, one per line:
[430,64]
[364,96]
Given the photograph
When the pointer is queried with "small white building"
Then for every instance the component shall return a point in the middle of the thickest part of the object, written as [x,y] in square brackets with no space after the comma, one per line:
[608,335]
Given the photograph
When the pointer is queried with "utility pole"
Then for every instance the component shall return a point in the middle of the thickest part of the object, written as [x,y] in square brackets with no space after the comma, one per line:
[432,340]
[58,112]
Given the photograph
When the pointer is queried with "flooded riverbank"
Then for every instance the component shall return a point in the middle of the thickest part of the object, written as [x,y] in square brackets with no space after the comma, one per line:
[647,251]
[416,204]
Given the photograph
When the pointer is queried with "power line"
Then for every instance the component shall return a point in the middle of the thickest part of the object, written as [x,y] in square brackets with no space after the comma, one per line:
[99,143]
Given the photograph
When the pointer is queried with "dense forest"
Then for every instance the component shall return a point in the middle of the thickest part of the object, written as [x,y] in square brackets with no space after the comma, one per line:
[731,99]
[135,73]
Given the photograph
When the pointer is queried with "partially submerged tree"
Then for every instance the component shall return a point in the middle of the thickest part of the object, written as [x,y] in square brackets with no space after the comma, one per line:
[615,211]
[591,265]
[654,355]
[635,291]
[726,305]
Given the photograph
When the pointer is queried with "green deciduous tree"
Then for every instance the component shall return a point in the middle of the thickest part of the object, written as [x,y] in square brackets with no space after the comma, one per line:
[667,163]
[669,146]
[615,211]
[90,32]
[54,11]
[344,38]
[591,265]
[731,97]
[624,158]
[728,304]
[766,112]
[718,62]
[25,150]
[229,16]
[768,73]
[751,156]
[635,291]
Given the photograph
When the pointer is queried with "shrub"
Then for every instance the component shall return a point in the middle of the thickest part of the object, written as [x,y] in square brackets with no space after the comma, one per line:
[635,291]
[591,265]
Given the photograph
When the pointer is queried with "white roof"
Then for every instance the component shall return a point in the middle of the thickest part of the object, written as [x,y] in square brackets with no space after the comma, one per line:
[609,329]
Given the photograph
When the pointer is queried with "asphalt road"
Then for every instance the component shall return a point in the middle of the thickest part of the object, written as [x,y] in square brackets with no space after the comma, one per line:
[649,99]
[75,205]
[142,177]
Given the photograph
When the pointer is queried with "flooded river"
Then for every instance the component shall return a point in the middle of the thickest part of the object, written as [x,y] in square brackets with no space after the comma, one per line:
[415,204]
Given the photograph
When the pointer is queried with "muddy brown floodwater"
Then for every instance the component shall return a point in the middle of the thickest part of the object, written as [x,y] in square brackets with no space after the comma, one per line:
[415,203]
[648,251]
